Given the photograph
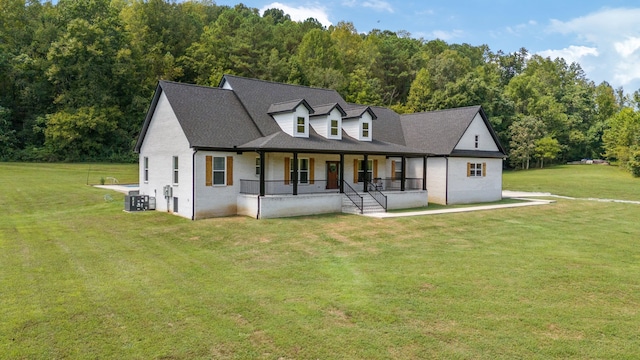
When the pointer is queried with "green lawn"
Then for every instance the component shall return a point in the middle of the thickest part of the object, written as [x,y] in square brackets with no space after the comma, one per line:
[597,181]
[81,279]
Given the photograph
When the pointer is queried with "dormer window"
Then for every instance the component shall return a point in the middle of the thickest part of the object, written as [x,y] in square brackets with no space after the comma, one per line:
[365,130]
[334,128]
[292,117]
[358,123]
[301,125]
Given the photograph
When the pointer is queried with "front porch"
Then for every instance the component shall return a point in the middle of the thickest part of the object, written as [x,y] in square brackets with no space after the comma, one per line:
[322,197]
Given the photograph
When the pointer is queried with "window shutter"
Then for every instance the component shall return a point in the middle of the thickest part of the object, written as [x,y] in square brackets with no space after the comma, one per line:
[311,170]
[229,170]
[355,171]
[375,169]
[393,170]
[209,170]
[484,169]
[468,169]
[287,171]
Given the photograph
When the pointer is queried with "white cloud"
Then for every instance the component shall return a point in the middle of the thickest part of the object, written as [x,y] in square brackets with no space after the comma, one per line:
[446,35]
[378,5]
[570,54]
[606,45]
[628,47]
[301,13]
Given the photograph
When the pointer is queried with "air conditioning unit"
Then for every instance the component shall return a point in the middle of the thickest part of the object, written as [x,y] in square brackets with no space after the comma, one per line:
[136,202]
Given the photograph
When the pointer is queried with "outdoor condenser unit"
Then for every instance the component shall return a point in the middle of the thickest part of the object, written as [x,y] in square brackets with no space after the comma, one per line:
[136,202]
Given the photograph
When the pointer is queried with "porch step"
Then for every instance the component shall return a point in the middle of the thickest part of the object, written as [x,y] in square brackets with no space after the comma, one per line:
[370,205]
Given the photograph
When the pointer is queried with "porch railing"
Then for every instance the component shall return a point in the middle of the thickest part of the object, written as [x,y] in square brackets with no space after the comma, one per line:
[390,184]
[375,193]
[353,195]
[283,187]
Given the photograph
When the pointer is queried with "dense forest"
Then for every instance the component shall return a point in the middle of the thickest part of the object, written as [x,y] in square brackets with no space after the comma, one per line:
[77,77]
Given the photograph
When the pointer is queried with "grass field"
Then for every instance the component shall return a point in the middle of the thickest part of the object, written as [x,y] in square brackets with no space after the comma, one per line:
[582,181]
[81,279]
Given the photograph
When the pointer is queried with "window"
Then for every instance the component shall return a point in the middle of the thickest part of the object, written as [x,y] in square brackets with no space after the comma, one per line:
[258,166]
[397,171]
[477,137]
[175,169]
[476,169]
[365,130]
[301,125]
[334,127]
[218,170]
[146,169]
[361,177]
[303,171]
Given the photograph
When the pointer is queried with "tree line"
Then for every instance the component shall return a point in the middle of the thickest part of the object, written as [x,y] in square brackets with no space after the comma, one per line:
[78,77]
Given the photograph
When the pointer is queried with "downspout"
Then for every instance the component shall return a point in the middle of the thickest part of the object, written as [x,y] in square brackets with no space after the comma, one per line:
[258,213]
[193,185]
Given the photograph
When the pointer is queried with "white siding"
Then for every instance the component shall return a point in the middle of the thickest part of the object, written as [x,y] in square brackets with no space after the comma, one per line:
[353,127]
[221,200]
[322,124]
[406,199]
[464,189]
[437,180]
[288,121]
[485,140]
[160,149]
[309,204]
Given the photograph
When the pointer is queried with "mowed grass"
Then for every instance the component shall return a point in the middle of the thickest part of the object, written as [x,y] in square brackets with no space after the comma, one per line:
[583,181]
[81,279]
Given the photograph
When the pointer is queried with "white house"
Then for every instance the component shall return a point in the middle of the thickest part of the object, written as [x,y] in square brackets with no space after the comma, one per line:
[265,149]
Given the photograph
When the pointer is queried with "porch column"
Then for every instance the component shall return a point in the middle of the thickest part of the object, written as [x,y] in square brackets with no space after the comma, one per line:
[365,170]
[262,176]
[294,178]
[403,173]
[424,173]
[341,173]
[262,184]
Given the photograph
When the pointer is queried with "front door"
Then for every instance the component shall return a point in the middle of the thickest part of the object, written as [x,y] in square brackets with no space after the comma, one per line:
[333,176]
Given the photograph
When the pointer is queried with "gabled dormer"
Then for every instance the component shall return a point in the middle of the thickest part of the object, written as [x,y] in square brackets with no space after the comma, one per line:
[292,116]
[358,123]
[327,120]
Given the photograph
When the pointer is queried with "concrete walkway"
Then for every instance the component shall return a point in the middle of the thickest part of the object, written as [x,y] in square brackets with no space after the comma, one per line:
[527,197]
[519,194]
[119,188]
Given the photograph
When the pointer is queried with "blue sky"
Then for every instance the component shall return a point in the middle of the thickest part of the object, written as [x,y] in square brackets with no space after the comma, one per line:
[603,36]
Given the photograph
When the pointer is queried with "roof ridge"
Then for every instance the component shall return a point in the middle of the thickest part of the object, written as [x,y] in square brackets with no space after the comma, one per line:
[279,83]
[190,85]
[289,101]
[442,110]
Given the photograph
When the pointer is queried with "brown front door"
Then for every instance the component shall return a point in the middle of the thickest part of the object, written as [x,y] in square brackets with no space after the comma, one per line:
[333,176]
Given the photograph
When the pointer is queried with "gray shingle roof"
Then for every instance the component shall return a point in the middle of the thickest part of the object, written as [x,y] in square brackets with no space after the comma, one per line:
[438,132]
[325,109]
[288,106]
[356,111]
[216,118]
[209,117]
[281,141]
[258,95]
[387,126]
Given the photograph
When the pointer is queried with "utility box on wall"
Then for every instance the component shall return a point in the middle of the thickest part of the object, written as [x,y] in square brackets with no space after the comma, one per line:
[136,202]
